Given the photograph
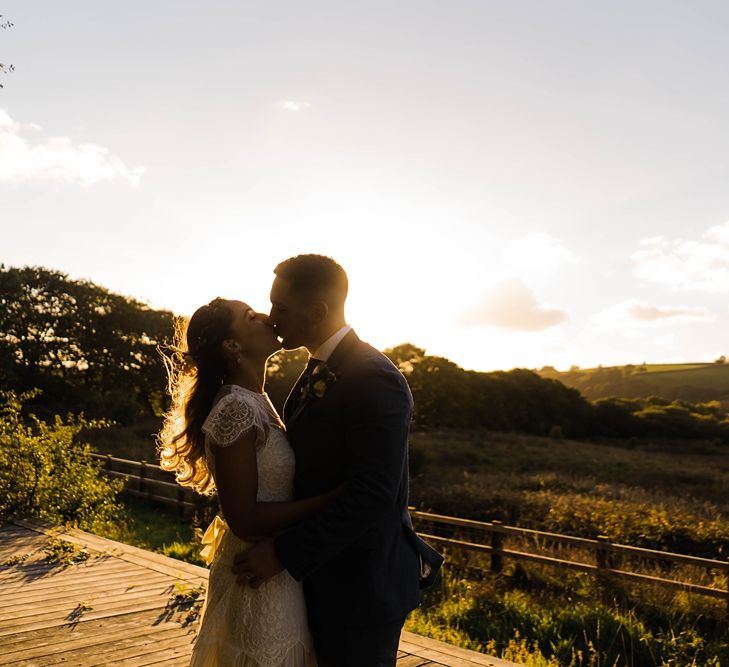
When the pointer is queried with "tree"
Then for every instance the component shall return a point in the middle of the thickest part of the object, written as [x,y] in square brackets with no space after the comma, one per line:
[5,69]
[404,356]
[88,349]
[281,373]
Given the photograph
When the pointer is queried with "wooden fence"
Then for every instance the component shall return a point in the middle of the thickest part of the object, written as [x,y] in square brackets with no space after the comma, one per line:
[606,556]
[149,481]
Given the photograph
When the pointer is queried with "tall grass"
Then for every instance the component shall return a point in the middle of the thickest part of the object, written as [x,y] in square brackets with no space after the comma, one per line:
[536,617]
[668,496]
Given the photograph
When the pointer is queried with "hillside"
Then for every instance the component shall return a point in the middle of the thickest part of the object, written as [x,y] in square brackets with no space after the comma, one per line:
[695,382]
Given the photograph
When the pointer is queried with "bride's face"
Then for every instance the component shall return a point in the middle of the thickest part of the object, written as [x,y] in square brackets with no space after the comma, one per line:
[255,337]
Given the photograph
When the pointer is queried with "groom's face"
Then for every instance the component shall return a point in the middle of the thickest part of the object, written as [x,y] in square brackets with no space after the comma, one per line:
[291,315]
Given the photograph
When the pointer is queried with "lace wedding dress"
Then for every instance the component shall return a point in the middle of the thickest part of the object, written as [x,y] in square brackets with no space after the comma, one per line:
[242,626]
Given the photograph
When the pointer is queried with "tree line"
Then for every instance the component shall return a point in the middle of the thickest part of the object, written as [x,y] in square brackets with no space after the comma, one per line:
[89,350]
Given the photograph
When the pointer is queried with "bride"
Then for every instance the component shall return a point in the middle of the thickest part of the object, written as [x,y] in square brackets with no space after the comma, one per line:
[223,434]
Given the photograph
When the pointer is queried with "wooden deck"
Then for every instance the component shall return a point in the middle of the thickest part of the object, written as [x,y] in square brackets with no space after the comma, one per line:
[119,605]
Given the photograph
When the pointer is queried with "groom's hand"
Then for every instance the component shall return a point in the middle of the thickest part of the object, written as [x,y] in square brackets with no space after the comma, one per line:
[257,563]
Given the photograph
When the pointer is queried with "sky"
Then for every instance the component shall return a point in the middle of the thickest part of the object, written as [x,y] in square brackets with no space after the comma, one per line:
[508,184]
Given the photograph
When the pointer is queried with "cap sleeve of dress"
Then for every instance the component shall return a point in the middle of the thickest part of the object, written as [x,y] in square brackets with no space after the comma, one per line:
[231,417]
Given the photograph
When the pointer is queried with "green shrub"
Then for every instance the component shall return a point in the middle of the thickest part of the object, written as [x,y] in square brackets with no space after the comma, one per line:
[45,472]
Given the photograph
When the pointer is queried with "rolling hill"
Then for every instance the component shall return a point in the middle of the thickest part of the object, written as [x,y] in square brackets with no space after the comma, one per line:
[695,382]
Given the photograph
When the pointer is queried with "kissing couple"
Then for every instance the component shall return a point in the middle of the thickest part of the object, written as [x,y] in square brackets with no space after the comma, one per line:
[314,560]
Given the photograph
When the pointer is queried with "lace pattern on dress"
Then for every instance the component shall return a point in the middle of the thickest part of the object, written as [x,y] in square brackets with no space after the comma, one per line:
[242,626]
[231,417]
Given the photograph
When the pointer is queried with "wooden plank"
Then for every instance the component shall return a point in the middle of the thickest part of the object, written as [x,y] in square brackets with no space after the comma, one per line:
[101,644]
[130,622]
[423,646]
[96,598]
[163,564]
[51,582]
[99,587]
[86,633]
[61,610]
[17,542]
[56,575]
[413,661]
[151,654]
[167,644]
[93,566]
[94,614]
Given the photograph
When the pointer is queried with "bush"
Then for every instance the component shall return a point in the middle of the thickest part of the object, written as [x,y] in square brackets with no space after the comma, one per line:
[45,472]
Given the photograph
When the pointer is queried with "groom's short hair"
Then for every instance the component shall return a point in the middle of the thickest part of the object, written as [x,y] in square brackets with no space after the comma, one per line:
[315,277]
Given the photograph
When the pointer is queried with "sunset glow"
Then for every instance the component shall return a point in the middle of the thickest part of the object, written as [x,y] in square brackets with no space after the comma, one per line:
[507,184]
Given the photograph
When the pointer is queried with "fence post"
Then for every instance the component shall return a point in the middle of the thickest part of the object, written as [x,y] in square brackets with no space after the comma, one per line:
[602,558]
[107,463]
[142,475]
[497,543]
[601,551]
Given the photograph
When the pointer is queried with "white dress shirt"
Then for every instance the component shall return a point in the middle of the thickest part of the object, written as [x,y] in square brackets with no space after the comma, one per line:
[324,351]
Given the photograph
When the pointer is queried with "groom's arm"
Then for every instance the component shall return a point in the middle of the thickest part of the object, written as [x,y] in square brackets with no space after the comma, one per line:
[378,409]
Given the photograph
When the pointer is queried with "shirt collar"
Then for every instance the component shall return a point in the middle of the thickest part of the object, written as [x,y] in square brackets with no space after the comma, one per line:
[324,351]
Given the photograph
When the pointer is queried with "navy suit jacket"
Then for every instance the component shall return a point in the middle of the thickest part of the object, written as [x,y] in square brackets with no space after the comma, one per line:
[355,557]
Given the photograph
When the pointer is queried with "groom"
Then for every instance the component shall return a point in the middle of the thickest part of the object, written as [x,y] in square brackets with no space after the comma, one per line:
[347,418]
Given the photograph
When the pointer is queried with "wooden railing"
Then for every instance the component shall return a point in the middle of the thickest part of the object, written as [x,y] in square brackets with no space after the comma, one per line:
[606,555]
[149,481]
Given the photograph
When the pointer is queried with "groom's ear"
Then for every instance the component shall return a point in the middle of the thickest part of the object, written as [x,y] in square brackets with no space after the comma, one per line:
[320,311]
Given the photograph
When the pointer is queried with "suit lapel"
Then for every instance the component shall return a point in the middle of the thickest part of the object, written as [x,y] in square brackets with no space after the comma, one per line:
[294,408]
[293,399]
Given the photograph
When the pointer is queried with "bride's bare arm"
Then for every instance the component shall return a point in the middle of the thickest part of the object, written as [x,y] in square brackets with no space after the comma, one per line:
[236,478]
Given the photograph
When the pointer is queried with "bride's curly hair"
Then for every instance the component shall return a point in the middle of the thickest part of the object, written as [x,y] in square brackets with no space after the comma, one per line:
[196,370]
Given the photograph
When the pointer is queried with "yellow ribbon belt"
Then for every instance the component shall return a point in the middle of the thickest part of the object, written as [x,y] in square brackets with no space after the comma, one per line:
[212,538]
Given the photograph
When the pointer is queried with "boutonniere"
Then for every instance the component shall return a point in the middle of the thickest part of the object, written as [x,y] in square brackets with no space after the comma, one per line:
[321,379]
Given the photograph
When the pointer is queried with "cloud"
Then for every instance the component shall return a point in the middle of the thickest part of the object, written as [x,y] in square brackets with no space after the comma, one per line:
[698,265]
[56,158]
[512,305]
[632,314]
[538,251]
[290,105]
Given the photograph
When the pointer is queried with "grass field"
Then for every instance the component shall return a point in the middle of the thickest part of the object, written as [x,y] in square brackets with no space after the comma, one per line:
[663,495]
[675,368]
[697,382]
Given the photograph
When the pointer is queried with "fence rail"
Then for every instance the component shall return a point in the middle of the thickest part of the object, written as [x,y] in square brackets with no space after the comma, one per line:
[148,480]
[604,552]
